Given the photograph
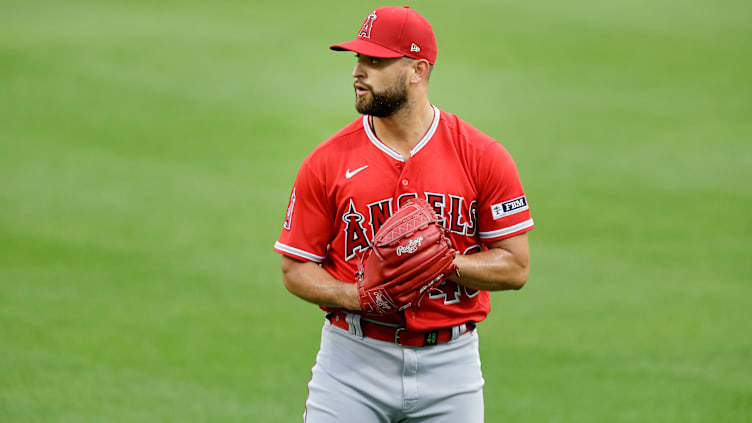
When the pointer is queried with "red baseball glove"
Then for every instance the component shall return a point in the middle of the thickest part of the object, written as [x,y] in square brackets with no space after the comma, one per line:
[408,257]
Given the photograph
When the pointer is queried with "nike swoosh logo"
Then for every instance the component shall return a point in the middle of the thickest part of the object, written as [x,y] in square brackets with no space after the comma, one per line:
[349,174]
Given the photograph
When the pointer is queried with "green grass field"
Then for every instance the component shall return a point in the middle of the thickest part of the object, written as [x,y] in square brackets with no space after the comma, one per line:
[147,150]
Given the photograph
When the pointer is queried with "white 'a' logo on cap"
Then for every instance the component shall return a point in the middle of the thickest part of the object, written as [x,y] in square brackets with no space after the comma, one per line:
[365,30]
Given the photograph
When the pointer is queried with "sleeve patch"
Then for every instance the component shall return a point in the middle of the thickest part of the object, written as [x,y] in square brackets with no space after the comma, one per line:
[509,208]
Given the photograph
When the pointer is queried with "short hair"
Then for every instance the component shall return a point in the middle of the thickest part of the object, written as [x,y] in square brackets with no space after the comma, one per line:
[430,66]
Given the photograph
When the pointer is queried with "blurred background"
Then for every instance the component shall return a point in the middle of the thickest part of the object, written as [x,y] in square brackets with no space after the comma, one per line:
[147,151]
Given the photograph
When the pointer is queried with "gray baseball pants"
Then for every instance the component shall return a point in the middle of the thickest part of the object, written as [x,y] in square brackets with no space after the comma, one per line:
[363,380]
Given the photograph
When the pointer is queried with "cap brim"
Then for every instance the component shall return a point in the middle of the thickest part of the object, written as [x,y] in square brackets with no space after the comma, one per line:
[366,48]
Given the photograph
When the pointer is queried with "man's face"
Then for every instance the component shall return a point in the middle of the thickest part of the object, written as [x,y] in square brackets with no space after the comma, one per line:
[380,86]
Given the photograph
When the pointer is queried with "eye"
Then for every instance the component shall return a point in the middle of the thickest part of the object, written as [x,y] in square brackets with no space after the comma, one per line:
[368,59]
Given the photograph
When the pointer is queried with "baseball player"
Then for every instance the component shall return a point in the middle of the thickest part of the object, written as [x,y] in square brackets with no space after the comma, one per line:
[420,364]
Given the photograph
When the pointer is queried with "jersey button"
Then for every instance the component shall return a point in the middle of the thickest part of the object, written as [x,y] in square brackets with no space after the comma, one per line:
[404,182]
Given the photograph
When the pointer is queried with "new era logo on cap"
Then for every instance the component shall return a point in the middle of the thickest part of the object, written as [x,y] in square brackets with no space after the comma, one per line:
[393,31]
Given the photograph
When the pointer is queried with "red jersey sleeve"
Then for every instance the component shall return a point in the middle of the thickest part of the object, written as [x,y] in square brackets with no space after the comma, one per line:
[502,209]
[306,231]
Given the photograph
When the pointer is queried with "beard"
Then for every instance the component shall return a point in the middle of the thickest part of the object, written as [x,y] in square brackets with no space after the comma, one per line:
[385,103]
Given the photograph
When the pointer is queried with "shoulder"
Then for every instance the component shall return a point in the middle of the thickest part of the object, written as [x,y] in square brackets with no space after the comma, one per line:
[464,133]
[339,143]
[335,148]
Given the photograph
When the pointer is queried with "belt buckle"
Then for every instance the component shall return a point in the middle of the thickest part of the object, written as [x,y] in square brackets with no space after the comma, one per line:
[397,335]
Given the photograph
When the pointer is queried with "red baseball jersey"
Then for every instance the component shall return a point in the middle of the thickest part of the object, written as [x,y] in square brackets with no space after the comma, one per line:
[350,184]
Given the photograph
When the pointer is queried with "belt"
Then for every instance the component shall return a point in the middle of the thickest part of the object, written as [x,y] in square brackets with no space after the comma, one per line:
[398,334]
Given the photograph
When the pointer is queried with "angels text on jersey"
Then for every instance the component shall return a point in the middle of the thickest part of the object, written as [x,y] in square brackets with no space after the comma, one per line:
[456,215]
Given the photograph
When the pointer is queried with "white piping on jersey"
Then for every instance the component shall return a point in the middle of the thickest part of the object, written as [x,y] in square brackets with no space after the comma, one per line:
[300,253]
[396,156]
[506,231]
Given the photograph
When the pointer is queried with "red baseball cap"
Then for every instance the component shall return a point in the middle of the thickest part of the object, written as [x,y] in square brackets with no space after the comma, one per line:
[393,31]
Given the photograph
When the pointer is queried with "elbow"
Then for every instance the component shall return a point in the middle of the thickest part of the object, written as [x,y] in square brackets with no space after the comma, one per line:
[519,279]
[287,282]
[288,270]
[516,285]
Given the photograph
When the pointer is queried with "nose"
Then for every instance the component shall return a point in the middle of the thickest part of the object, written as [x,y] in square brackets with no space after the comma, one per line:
[358,71]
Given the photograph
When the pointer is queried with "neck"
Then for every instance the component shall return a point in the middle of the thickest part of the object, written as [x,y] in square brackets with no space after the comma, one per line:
[404,130]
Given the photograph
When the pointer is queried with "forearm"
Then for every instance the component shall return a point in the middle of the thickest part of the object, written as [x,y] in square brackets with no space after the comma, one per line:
[505,266]
[310,282]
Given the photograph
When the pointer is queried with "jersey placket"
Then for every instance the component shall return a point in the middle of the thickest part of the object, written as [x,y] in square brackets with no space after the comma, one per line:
[403,181]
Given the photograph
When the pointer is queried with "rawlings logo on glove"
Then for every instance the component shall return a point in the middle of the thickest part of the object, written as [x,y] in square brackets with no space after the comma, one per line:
[411,246]
[409,256]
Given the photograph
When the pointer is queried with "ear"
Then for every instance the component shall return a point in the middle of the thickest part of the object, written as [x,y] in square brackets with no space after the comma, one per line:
[420,71]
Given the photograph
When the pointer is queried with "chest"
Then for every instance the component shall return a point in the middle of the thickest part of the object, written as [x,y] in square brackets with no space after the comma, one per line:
[371,186]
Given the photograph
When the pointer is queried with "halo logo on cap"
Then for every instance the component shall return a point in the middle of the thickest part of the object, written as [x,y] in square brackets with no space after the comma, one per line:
[365,30]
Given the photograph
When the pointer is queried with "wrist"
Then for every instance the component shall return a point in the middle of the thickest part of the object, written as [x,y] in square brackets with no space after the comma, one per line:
[459,262]
[351,301]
